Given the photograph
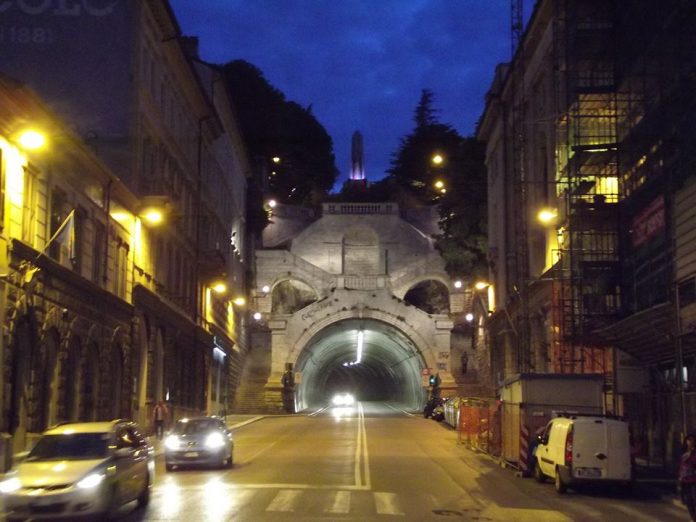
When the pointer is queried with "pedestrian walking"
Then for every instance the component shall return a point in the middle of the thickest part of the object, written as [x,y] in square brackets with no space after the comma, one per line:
[159,416]
[687,475]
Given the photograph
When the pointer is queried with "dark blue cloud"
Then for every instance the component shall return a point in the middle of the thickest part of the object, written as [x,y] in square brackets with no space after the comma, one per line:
[361,64]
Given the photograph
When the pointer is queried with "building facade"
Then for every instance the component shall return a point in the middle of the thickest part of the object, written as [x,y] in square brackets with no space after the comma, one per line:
[161,123]
[589,133]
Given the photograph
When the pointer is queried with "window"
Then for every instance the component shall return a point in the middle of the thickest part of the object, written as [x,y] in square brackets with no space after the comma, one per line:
[98,253]
[687,292]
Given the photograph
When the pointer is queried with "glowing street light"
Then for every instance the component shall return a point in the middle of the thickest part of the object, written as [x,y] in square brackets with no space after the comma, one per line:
[469,317]
[272,203]
[481,285]
[239,301]
[32,140]
[547,215]
[458,284]
[437,159]
[219,288]
[276,159]
[153,216]
[265,289]
[439,184]
[257,316]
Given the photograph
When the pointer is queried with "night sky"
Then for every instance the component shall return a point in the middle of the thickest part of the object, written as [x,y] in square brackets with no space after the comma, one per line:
[361,64]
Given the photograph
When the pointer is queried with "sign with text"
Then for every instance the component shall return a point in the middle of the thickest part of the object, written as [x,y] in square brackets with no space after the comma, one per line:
[648,222]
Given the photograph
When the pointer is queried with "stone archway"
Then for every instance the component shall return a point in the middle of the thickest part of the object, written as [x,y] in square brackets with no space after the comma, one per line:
[369,358]
[430,295]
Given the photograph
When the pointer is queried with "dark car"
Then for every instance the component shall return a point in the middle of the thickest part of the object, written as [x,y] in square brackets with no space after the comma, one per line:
[199,440]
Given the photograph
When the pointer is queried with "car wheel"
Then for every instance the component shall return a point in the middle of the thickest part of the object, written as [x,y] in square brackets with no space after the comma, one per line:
[559,484]
[538,474]
[144,497]
[112,505]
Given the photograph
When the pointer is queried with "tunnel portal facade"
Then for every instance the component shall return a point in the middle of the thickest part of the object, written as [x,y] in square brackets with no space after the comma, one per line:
[355,301]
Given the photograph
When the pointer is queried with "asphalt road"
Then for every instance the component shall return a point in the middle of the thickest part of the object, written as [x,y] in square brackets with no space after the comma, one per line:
[373,462]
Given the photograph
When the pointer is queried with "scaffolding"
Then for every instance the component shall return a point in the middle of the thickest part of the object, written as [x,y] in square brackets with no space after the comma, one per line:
[585,295]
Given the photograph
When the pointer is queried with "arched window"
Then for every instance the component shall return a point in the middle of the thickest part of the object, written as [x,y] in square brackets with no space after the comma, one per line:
[69,378]
[19,372]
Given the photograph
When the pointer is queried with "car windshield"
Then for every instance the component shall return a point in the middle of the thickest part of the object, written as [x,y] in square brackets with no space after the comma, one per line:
[196,426]
[74,446]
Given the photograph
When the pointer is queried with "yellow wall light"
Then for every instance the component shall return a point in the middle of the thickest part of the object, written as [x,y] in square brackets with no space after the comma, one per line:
[219,288]
[547,215]
[276,159]
[437,159]
[239,301]
[480,285]
[31,140]
[153,216]
[439,184]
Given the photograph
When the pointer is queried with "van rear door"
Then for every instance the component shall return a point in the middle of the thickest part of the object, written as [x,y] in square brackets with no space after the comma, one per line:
[601,449]
[590,448]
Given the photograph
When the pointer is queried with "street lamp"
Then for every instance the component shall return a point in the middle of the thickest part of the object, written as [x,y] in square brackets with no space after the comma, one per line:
[437,159]
[31,139]
[547,215]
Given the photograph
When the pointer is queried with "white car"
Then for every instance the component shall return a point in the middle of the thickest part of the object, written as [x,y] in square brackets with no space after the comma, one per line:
[75,470]
[583,449]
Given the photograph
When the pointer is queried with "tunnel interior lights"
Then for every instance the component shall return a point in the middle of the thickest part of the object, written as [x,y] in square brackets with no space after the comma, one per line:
[358,350]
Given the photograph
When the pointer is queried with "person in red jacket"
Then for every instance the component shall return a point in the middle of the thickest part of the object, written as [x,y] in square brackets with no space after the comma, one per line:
[687,475]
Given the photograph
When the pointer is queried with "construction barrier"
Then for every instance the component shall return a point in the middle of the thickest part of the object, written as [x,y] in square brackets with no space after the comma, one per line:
[479,425]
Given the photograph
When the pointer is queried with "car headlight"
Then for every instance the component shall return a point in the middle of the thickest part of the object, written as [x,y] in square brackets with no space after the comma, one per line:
[172,442]
[90,481]
[214,440]
[10,485]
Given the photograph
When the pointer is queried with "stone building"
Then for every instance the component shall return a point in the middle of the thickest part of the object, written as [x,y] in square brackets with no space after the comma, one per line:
[359,301]
[589,135]
[132,87]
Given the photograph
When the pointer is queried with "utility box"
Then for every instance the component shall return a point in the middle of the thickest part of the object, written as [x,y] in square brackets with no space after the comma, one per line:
[530,400]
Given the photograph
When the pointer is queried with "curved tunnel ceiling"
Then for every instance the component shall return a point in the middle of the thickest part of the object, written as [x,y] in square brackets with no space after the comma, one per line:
[389,369]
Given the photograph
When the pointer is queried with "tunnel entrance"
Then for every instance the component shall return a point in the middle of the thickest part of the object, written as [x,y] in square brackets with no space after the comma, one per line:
[370,359]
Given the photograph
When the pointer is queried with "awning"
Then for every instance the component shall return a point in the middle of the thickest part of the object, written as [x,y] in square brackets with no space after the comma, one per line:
[648,335]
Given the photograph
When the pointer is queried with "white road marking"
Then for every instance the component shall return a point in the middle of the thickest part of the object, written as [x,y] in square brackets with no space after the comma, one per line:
[284,500]
[365,454]
[399,410]
[386,504]
[358,448]
[340,504]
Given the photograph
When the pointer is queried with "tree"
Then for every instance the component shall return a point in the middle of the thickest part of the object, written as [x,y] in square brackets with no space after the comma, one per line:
[457,185]
[412,165]
[272,127]
[463,210]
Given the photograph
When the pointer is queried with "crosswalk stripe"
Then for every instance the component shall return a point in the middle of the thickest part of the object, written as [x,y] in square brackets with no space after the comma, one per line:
[341,503]
[386,504]
[284,500]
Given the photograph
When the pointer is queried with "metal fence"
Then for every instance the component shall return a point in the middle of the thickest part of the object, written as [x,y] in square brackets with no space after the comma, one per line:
[479,425]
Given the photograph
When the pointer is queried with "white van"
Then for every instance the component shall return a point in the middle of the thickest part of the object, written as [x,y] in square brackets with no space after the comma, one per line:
[577,449]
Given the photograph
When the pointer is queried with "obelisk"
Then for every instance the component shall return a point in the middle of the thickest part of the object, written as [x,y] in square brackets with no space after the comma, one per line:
[357,171]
